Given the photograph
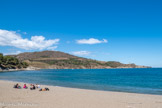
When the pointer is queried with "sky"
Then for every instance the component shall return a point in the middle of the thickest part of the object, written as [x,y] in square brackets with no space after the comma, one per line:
[128,31]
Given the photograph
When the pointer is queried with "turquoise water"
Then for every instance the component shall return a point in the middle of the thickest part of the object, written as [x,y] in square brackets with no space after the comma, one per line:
[147,81]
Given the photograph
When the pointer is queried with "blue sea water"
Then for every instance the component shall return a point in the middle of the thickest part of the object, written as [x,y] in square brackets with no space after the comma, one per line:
[146,81]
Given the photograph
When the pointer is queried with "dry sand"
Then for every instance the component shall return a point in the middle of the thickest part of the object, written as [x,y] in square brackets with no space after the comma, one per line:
[61,97]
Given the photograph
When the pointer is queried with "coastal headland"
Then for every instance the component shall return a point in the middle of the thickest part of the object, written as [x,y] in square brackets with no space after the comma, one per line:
[57,60]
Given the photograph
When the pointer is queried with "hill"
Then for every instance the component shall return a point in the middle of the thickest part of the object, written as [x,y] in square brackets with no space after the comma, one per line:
[60,60]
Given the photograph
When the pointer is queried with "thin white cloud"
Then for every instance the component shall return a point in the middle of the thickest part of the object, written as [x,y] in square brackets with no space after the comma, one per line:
[91,41]
[67,42]
[11,38]
[52,48]
[81,53]
[24,33]
[13,53]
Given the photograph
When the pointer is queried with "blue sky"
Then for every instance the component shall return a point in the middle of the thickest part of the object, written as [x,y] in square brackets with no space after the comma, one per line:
[129,31]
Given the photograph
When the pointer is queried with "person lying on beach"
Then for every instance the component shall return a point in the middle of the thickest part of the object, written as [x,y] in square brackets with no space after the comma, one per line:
[44,89]
[33,87]
[17,86]
[25,87]
[37,86]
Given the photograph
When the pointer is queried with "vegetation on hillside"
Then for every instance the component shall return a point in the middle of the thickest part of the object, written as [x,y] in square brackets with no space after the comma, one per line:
[82,63]
[8,62]
[61,60]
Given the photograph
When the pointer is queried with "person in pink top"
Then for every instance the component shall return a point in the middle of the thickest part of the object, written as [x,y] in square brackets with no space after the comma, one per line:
[25,86]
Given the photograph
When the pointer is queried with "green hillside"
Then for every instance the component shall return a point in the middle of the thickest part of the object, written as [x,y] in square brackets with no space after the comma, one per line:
[8,62]
[61,60]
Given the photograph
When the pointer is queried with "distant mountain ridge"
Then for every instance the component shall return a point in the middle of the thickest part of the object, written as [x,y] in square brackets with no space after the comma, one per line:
[43,54]
[61,60]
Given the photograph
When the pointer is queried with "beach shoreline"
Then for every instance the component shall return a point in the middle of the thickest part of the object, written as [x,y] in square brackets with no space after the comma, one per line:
[35,68]
[64,97]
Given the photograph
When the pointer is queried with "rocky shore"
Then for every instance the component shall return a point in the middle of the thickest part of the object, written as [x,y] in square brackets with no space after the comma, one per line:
[22,69]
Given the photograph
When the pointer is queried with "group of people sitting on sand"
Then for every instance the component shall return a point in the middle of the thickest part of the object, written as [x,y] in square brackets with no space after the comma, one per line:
[32,87]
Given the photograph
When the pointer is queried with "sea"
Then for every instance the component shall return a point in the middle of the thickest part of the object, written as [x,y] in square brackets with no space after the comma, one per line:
[144,80]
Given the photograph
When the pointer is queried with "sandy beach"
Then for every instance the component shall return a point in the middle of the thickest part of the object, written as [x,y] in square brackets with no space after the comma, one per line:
[61,97]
